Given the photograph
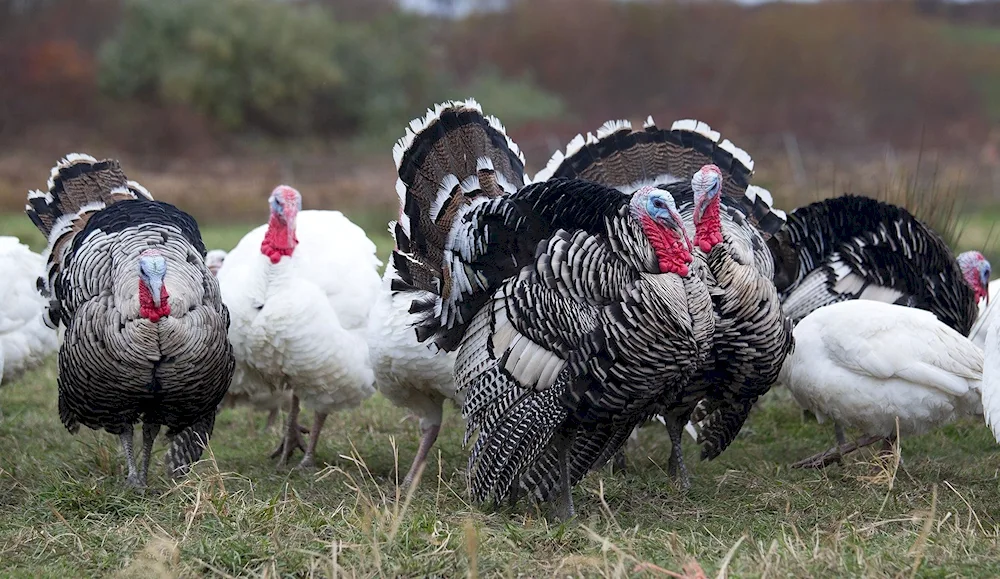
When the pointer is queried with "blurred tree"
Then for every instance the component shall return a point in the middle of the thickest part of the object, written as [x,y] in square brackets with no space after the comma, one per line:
[243,62]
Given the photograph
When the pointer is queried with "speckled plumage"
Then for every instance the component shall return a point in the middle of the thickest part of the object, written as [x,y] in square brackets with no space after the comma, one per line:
[853,247]
[25,340]
[117,367]
[568,329]
[751,334]
[300,325]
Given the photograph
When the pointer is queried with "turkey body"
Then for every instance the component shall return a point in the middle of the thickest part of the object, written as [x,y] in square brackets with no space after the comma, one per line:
[407,372]
[145,326]
[865,363]
[300,325]
[25,340]
[573,307]
[853,247]
[730,221]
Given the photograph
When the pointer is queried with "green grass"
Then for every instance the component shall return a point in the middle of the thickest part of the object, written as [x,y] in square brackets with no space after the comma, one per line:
[65,512]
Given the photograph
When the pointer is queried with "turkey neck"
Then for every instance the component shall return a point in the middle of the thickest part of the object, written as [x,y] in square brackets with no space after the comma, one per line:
[280,239]
[708,232]
[147,308]
[671,254]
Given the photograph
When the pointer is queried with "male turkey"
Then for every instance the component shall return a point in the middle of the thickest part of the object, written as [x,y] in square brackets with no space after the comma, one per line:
[867,364]
[575,308]
[25,340]
[710,180]
[407,373]
[145,325]
[300,289]
[853,247]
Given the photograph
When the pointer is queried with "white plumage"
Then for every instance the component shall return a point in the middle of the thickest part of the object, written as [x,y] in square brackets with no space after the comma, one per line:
[407,372]
[864,363]
[991,375]
[25,340]
[987,315]
[299,291]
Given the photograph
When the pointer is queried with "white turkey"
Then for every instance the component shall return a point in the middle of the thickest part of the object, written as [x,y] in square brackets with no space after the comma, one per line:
[730,220]
[25,340]
[214,260]
[407,372]
[987,313]
[145,325]
[853,247]
[300,289]
[576,309]
[865,363]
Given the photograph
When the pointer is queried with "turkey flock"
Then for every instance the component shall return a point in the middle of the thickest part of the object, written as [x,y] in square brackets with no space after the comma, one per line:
[639,278]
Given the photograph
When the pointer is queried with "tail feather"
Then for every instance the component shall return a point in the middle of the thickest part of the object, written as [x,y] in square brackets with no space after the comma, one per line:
[78,186]
[627,159]
[187,446]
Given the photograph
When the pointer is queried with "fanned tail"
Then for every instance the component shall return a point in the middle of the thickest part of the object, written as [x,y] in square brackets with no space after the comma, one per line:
[79,186]
[187,445]
[449,162]
[627,159]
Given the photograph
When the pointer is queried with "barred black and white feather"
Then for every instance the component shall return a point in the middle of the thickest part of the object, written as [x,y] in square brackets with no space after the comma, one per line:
[854,247]
[564,324]
[117,367]
[752,336]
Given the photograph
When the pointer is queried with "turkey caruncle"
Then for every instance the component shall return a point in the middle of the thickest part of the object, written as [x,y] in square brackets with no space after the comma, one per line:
[145,325]
[731,219]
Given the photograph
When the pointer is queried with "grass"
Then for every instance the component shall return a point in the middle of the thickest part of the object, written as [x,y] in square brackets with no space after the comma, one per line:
[66,512]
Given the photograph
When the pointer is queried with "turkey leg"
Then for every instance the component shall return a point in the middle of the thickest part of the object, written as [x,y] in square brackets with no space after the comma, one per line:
[427,439]
[675,464]
[149,432]
[838,432]
[828,457]
[293,437]
[566,511]
[133,473]
[309,460]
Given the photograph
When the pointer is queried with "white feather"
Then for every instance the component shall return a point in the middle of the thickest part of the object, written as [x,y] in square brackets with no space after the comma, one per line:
[739,154]
[25,340]
[611,127]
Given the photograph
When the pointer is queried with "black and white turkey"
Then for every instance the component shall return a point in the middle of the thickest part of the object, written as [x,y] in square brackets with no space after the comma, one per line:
[730,218]
[854,247]
[145,324]
[575,308]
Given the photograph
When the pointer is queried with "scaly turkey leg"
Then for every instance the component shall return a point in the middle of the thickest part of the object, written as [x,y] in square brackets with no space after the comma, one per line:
[836,453]
[133,473]
[427,439]
[309,460]
[293,437]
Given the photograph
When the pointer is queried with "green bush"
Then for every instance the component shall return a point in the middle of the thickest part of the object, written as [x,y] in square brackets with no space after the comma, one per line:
[242,62]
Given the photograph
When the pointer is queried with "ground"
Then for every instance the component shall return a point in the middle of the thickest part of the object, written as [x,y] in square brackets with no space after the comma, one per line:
[67,512]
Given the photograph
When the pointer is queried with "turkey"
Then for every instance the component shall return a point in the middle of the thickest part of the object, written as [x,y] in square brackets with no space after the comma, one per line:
[407,373]
[300,289]
[866,363]
[214,260]
[145,335]
[710,180]
[25,340]
[854,247]
[575,309]
[987,313]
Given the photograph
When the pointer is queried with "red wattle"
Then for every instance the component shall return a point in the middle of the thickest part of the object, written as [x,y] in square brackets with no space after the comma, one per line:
[671,253]
[147,308]
[708,231]
[276,244]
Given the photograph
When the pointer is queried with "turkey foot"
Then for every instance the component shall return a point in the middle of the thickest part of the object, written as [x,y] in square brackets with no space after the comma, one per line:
[293,436]
[309,461]
[828,457]
[272,417]
[427,439]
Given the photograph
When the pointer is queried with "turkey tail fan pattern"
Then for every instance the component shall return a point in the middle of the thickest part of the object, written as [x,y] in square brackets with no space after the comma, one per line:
[853,247]
[187,446]
[448,162]
[79,186]
[626,159]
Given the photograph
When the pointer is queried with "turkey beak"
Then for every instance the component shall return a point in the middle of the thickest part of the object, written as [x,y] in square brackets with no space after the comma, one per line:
[155,289]
[681,231]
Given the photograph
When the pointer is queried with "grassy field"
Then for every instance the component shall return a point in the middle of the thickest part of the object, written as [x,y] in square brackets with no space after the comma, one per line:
[66,512]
